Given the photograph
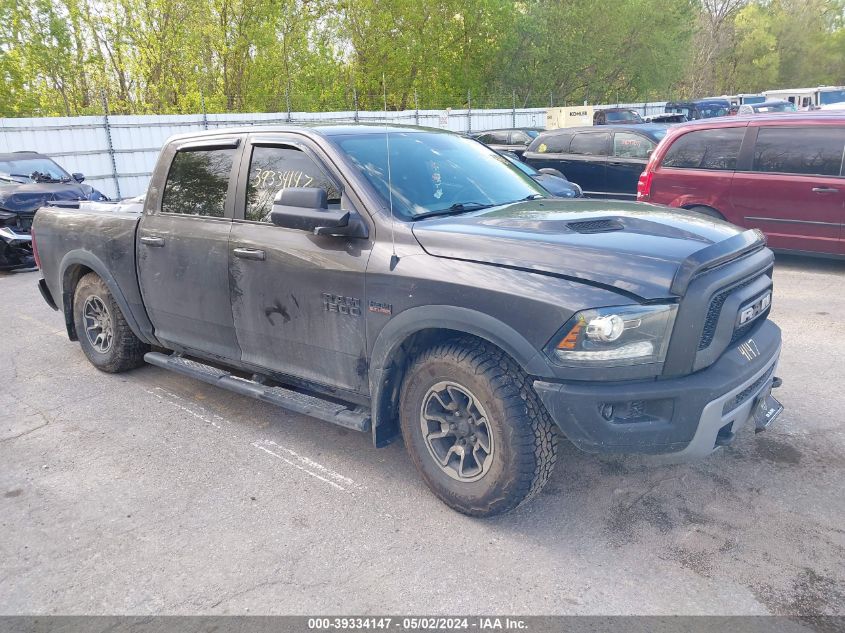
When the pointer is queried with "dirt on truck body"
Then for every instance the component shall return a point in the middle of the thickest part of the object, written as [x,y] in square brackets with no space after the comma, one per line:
[411,282]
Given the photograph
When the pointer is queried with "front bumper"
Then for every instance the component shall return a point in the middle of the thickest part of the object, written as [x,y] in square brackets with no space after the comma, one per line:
[9,235]
[688,416]
[15,249]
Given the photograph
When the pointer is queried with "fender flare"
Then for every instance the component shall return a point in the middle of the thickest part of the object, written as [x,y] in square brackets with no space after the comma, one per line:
[89,260]
[382,382]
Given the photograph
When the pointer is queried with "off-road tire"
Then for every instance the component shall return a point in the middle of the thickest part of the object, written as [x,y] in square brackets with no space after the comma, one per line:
[707,211]
[126,350]
[525,438]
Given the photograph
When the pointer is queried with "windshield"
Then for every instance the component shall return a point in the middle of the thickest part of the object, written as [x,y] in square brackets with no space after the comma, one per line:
[624,116]
[786,106]
[26,167]
[432,172]
[831,96]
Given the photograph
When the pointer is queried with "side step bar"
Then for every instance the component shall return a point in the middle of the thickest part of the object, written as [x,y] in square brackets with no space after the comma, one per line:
[316,407]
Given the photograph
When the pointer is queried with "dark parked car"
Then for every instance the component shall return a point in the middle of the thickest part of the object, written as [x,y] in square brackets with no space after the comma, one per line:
[700,108]
[551,180]
[619,116]
[668,117]
[604,161]
[780,173]
[428,290]
[29,180]
[509,140]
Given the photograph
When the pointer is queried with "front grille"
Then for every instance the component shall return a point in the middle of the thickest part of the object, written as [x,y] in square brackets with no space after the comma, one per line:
[711,321]
[746,393]
[595,226]
[742,330]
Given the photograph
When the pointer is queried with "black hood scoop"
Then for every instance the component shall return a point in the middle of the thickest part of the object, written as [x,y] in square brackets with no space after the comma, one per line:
[595,226]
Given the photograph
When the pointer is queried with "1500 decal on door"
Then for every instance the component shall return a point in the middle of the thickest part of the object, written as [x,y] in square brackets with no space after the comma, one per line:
[349,306]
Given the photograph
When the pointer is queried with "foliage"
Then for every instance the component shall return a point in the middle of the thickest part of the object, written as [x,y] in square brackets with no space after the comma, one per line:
[70,57]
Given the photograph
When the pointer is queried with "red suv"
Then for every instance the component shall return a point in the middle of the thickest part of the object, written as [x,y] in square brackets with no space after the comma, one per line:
[781,173]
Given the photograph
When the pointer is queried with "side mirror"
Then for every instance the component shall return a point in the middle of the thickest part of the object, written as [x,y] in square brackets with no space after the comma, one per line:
[78,177]
[307,209]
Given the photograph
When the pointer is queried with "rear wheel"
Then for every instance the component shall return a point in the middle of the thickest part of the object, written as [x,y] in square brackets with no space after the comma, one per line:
[475,429]
[707,211]
[105,337]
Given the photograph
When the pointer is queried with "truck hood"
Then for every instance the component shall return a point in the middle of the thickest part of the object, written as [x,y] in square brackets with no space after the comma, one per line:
[634,247]
[26,198]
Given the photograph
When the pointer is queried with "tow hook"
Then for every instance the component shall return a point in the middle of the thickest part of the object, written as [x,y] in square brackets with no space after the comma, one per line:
[767,408]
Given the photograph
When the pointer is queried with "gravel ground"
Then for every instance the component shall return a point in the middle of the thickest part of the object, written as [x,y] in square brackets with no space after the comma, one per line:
[149,493]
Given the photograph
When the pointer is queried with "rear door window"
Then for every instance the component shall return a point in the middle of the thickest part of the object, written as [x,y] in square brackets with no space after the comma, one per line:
[706,149]
[800,150]
[197,182]
[590,144]
[628,145]
[272,169]
[553,144]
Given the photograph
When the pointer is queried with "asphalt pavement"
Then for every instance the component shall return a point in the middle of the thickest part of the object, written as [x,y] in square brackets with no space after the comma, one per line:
[150,493]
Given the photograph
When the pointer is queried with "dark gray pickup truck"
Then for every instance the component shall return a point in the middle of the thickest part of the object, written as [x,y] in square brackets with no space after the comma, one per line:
[409,281]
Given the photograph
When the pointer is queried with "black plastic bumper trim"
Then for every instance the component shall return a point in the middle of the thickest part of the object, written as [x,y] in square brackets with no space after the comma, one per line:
[577,407]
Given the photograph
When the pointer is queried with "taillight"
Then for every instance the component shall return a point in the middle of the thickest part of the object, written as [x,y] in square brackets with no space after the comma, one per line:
[34,247]
[644,184]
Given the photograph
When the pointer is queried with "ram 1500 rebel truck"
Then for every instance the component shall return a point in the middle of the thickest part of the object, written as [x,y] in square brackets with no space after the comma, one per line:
[405,281]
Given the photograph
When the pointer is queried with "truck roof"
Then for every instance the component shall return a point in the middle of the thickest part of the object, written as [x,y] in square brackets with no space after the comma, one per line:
[326,130]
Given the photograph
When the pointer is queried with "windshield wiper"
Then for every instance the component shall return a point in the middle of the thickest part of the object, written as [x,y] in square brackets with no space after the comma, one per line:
[38,176]
[458,207]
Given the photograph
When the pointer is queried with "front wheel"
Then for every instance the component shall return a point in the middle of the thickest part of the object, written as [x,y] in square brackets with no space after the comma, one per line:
[475,429]
[105,337]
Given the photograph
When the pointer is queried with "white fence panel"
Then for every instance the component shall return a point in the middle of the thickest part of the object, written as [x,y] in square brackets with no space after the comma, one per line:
[117,153]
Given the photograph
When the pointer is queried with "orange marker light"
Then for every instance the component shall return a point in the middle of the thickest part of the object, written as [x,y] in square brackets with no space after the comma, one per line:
[571,339]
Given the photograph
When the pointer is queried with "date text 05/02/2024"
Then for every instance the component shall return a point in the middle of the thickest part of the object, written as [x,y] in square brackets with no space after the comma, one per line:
[418,623]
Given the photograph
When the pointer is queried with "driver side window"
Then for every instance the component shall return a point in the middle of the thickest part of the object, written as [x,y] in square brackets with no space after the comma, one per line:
[272,169]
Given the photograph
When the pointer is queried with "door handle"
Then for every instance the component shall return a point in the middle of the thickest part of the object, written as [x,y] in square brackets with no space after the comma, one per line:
[825,190]
[249,253]
[152,241]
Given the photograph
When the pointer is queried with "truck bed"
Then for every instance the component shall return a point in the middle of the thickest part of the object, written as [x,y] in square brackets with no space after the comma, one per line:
[74,241]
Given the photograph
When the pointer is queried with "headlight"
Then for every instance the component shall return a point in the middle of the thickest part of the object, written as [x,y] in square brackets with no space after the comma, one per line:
[615,336]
